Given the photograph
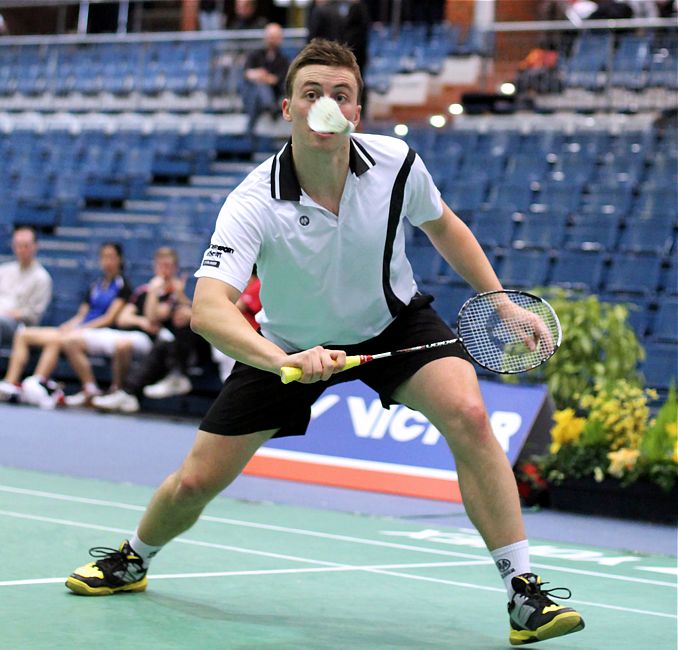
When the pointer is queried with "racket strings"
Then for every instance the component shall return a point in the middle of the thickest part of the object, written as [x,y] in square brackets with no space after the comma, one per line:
[500,340]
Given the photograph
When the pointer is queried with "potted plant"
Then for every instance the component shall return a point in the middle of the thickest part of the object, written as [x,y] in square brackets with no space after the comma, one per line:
[611,457]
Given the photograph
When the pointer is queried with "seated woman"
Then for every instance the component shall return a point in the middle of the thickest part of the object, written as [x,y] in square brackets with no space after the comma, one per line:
[101,306]
[148,310]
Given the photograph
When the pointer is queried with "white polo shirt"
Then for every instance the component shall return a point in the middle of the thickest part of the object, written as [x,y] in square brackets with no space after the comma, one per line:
[325,279]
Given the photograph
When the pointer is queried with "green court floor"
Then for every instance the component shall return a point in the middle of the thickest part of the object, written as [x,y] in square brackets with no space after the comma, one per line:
[252,575]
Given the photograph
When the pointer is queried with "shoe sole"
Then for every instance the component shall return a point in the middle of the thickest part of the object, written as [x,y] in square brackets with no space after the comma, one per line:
[83,589]
[567,623]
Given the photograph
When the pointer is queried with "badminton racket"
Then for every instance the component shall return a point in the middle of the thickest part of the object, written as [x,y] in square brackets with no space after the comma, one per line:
[507,332]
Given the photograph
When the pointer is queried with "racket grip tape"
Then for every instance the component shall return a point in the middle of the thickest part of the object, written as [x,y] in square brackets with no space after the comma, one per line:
[290,373]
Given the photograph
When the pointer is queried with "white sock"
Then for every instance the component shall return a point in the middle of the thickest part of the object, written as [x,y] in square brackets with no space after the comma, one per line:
[512,560]
[91,388]
[145,551]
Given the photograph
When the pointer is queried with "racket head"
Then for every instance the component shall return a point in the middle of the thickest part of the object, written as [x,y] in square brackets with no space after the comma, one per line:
[509,331]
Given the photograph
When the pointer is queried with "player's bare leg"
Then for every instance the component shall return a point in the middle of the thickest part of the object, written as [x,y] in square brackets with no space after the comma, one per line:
[446,391]
[213,462]
[211,465]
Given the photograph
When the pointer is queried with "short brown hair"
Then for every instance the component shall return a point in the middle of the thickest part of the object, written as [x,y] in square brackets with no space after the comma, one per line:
[167,251]
[320,51]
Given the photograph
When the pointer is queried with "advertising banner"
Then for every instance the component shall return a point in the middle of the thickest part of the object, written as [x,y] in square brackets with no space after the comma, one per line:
[354,442]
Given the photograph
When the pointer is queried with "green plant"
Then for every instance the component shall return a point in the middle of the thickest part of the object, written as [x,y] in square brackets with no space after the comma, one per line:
[598,346]
[614,435]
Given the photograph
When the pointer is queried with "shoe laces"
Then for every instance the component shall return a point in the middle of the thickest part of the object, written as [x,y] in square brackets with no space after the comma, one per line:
[114,560]
[536,589]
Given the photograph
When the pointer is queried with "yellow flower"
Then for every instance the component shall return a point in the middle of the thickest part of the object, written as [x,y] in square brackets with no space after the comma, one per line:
[622,461]
[567,428]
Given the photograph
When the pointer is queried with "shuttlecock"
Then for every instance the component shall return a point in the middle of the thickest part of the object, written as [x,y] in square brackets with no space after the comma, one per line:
[325,116]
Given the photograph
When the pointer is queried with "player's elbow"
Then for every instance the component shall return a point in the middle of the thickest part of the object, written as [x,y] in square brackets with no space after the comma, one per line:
[198,321]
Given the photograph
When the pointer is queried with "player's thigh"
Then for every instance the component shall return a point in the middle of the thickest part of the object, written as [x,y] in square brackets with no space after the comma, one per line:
[447,392]
[215,460]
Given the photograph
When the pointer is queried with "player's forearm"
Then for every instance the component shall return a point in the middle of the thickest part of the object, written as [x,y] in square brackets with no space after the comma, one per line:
[456,243]
[223,325]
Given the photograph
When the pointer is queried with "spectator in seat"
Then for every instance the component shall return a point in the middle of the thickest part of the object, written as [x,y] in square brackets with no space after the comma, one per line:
[25,286]
[100,308]
[148,310]
[264,77]
[210,15]
[246,16]
[164,371]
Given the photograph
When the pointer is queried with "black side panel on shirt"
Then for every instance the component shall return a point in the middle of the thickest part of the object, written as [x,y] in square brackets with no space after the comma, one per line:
[397,195]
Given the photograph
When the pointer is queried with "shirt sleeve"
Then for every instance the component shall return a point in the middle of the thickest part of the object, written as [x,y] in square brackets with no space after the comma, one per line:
[422,197]
[125,290]
[235,244]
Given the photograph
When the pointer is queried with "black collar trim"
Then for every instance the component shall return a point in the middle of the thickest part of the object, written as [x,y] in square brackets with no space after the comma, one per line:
[284,182]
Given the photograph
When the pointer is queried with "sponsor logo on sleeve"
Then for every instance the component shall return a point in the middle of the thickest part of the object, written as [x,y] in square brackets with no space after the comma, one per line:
[214,263]
[216,248]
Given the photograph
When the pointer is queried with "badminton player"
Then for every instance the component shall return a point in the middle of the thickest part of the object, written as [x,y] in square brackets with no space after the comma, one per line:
[323,220]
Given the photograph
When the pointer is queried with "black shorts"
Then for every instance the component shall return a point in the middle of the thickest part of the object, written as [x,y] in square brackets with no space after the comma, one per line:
[255,400]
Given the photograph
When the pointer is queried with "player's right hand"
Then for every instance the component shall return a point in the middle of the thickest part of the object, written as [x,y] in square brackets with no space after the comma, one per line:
[316,364]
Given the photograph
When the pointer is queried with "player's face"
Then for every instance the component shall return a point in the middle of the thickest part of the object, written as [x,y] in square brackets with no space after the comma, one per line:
[311,83]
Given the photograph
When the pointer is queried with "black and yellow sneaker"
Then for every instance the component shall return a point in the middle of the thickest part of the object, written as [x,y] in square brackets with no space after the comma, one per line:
[534,616]
[120,570]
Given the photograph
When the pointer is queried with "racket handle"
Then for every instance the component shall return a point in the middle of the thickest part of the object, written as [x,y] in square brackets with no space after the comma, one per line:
[290,373]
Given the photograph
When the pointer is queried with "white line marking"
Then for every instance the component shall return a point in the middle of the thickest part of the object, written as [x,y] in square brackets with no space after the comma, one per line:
[332,536]
[260,572]
[670,570]
[333,565]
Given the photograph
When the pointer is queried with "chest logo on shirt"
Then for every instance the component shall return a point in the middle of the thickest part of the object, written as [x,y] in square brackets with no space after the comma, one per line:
[304,220]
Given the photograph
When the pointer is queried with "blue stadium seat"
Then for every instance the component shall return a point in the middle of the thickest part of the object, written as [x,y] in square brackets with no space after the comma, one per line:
[666,322]
[661,365]
[542,231]
[578,269]
[557,197]
[630,61]
[448,299]
[482,167]
[658,201]
[510,198]
[592,234]
[633,274]
[524,268]
[492,230]
[612,200]
[647,236]
[524,168]
[465,197]
[426,262]
[587,60]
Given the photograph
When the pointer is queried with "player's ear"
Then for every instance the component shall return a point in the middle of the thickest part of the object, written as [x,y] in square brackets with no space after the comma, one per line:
[286,110]
[358,112]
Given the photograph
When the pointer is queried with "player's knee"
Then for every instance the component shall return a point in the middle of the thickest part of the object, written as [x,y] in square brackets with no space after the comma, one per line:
[194,488]
[467,424]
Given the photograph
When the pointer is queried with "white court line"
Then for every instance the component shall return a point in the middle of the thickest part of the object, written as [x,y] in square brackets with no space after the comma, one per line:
[259,572]
[333,536]
[334,565]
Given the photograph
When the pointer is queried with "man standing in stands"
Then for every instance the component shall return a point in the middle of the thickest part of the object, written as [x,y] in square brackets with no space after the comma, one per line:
[246,16]
[25,286]
[264,77]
